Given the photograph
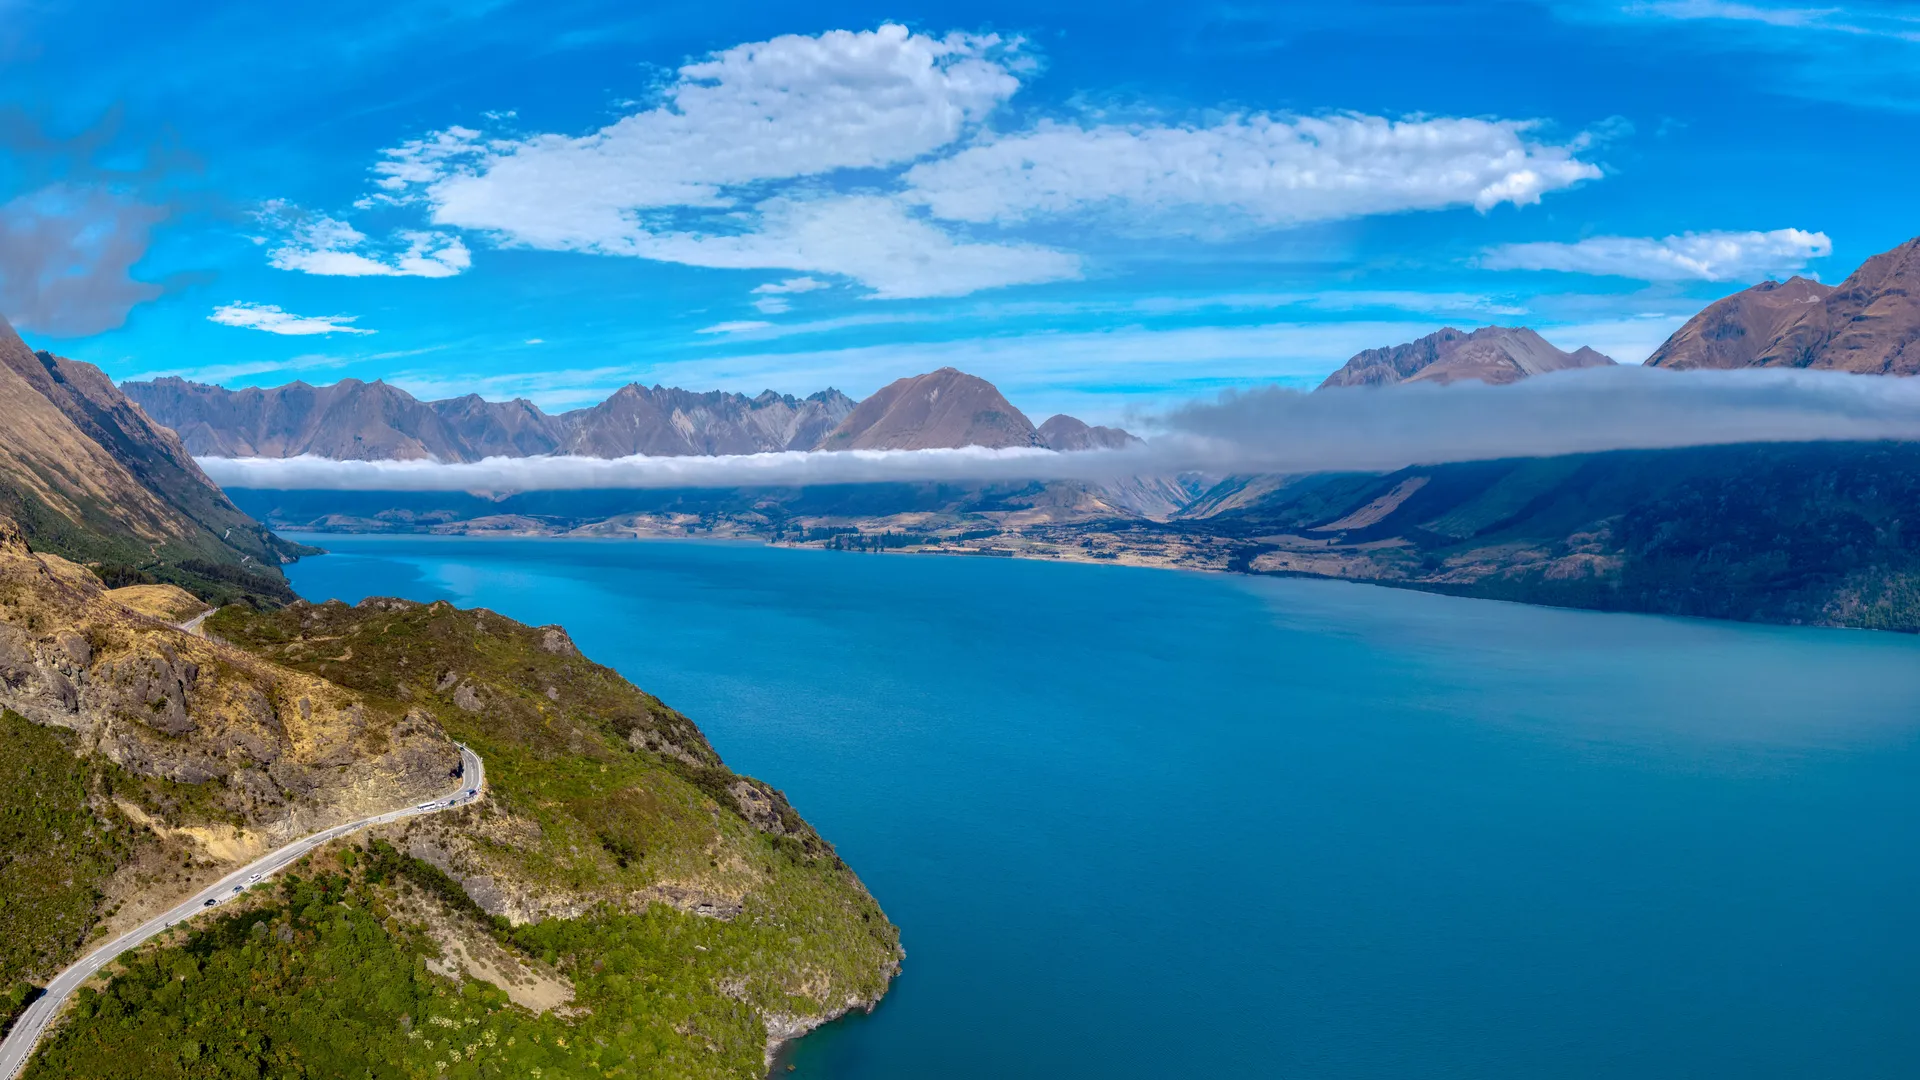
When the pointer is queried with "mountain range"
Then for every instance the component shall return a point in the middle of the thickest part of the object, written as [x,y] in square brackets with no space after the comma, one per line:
[361,421]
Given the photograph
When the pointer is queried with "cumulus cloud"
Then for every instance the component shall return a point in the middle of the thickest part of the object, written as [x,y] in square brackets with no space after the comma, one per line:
[1265,431]
[867,156]
[329,247]
[66,256]
[273,320]
[1702,256]
[778,110]
[1271,171]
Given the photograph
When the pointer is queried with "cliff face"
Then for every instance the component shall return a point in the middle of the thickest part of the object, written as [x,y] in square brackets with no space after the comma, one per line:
[282,748]
[85,473]
[1493,354]
[1869,324]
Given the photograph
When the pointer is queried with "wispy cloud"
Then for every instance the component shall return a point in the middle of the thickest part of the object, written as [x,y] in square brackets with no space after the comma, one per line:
[1855,54]
[1702,256]
[274,320]
[328,247]
[1270,431]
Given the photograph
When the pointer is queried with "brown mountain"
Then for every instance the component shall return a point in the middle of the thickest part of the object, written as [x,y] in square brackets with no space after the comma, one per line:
[89,477]
[1732,332]
[944,408]
[1493,354]
[1869,324]
[1066,433]
[356,421]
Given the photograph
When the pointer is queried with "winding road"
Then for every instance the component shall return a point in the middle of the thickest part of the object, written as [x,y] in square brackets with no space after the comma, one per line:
[20,1043]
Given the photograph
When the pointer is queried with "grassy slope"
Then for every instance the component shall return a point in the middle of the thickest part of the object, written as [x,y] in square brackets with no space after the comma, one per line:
[666,992]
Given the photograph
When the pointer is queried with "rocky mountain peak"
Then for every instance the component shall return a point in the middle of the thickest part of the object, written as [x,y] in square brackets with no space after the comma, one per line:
[1493,354]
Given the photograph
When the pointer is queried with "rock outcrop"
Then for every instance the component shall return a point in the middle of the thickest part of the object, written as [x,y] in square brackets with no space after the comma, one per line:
[281,749]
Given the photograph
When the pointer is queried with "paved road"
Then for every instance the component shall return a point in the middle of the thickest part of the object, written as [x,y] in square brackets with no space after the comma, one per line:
[26,1033]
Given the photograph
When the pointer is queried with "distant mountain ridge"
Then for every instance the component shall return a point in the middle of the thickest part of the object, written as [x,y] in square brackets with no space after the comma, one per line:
[1492,354]
[360,421]
[353,420]
[1869,324]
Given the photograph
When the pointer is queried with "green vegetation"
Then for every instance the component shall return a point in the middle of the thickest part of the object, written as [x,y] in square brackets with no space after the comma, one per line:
[325,976]
[707,905]
[56,849]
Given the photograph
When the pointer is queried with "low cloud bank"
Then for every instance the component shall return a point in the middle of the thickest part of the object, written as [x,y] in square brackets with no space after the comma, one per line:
[1269,430]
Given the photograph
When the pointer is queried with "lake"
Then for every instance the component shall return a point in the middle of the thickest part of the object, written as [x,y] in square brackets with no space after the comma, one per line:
[1138,823]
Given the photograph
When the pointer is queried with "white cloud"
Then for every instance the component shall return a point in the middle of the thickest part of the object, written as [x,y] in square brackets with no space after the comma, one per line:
[330,247]
[791,107]
[742,161]
[273,320]
[1268,171]
[1706,256]
[792,285]
[1270,430]
[773,295]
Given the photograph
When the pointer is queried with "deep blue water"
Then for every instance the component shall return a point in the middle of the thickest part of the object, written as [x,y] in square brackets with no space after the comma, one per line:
[1135,823]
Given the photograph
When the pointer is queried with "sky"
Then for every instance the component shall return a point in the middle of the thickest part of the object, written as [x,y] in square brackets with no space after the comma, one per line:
[1104,209]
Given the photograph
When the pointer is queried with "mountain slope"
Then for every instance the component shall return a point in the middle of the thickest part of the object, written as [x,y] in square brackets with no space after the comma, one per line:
[1734,331]
[1494,354]
[941,409]
[88,476]
[1798,533]
[1869,324]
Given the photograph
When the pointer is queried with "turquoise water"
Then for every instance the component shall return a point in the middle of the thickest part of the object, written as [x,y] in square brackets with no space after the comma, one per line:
[1135,823]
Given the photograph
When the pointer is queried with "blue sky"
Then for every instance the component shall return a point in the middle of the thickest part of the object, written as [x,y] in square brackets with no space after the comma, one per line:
[1102,208]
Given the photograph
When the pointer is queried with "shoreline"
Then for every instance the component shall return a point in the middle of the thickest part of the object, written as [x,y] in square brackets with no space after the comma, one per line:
[1491,588]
